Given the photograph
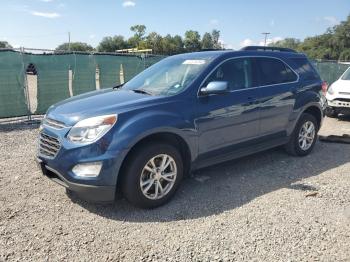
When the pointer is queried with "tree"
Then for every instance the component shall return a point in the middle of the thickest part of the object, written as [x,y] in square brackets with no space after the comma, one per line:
[139,30]
[75,46]
[138,39]
[154,42]
[179,44]
[4,44]
[192,41]
[215,35]
[292,43]
[111,44]
[207,41]
[318,47]
[345,55]
[331,45]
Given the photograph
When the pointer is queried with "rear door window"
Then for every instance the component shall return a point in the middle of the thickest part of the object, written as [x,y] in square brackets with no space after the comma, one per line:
[305,69]
[274,71]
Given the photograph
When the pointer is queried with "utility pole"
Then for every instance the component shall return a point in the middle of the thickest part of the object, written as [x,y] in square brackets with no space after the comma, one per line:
[68,41]
[266,34]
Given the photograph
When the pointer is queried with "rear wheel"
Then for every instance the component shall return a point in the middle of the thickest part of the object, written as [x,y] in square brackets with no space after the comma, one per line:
[152,176]
[304,136]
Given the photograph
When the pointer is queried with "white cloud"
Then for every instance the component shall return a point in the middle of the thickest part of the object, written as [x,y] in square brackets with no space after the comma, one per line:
[270,40]
[214,22]
[247,42]
[46,15]
[331,20]
[129,4]
[92,36]
[250,42]
[47,1]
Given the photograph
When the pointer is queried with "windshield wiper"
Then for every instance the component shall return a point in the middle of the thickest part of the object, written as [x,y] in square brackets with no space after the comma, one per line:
[118,86]
[142,91]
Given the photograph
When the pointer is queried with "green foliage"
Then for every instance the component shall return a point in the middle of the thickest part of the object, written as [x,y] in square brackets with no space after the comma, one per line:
[207,41]
[4,44]
[111,44]
[292,43]
[334,44]
[163,45]
[154,41]
[345,55]
[192,41]
[75,46]
[139,31]
[215,34]
[138,39]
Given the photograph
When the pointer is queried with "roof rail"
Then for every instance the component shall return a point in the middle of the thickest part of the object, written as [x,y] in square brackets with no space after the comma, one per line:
[268,48]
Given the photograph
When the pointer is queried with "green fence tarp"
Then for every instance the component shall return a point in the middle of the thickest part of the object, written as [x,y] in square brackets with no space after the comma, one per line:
[12,92]
[84,70]
[53,83]
[109,67]
[52,72]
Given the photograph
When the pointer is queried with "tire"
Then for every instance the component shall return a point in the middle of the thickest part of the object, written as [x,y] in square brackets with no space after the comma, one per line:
[136,173]
[294,146]
[331,112]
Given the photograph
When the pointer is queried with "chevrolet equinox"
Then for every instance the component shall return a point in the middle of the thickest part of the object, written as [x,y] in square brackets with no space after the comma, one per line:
[185,112]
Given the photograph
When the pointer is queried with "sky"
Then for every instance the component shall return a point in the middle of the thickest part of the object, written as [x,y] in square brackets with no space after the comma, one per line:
[46,23]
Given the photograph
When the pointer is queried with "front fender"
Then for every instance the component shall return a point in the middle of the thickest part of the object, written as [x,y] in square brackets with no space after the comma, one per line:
[141,125]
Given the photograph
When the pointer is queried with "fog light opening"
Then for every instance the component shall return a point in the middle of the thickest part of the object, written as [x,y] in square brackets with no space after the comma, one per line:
[87,169]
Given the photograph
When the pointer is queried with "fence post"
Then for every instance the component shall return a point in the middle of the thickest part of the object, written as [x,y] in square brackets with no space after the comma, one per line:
[26,85]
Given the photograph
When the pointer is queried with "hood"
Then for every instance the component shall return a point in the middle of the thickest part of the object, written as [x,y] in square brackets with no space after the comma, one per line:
[341,85]
[341,89]
[106,101]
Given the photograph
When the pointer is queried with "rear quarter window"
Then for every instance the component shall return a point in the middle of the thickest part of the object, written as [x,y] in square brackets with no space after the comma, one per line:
[305,69]
[274,71]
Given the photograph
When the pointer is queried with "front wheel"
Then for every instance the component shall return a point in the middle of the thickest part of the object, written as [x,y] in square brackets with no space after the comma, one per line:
[304,136]
[153,173]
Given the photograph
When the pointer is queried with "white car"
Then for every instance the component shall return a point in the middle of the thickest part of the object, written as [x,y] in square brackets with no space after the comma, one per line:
[338,96]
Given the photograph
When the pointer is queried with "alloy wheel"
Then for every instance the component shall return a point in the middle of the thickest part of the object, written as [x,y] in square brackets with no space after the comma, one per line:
[158,176]
[307,135]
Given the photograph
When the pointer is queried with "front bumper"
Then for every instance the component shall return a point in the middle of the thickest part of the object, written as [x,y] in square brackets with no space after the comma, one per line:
[88,192]
[339,103]
[58,167]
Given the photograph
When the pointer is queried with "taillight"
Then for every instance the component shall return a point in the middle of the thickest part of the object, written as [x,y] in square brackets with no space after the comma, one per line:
[324,87]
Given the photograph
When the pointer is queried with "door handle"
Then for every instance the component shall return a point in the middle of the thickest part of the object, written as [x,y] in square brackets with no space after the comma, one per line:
[252,101]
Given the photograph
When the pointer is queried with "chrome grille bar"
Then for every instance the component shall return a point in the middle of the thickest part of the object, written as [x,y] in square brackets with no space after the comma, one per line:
[48,145]
[53,123]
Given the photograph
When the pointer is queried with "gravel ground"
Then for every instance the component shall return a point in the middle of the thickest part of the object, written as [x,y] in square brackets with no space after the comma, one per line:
[268,206]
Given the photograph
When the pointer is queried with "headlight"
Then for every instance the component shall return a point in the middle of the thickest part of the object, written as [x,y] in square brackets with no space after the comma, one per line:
[91,129]
[330,90]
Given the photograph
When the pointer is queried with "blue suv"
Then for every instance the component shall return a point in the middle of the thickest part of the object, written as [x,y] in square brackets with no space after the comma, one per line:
[186,112]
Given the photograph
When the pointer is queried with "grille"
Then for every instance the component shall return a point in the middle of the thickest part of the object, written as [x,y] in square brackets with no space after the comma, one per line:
[53,123]
[48,145]
[344,99]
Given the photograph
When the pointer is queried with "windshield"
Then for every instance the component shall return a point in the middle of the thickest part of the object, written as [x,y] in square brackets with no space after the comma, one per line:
[346,75]
[169,76]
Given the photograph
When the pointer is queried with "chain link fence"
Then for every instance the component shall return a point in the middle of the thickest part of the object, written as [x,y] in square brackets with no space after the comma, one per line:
[330,71]
[31,80]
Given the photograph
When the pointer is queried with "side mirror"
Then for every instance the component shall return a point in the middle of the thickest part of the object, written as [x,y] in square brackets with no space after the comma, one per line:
[215,87]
